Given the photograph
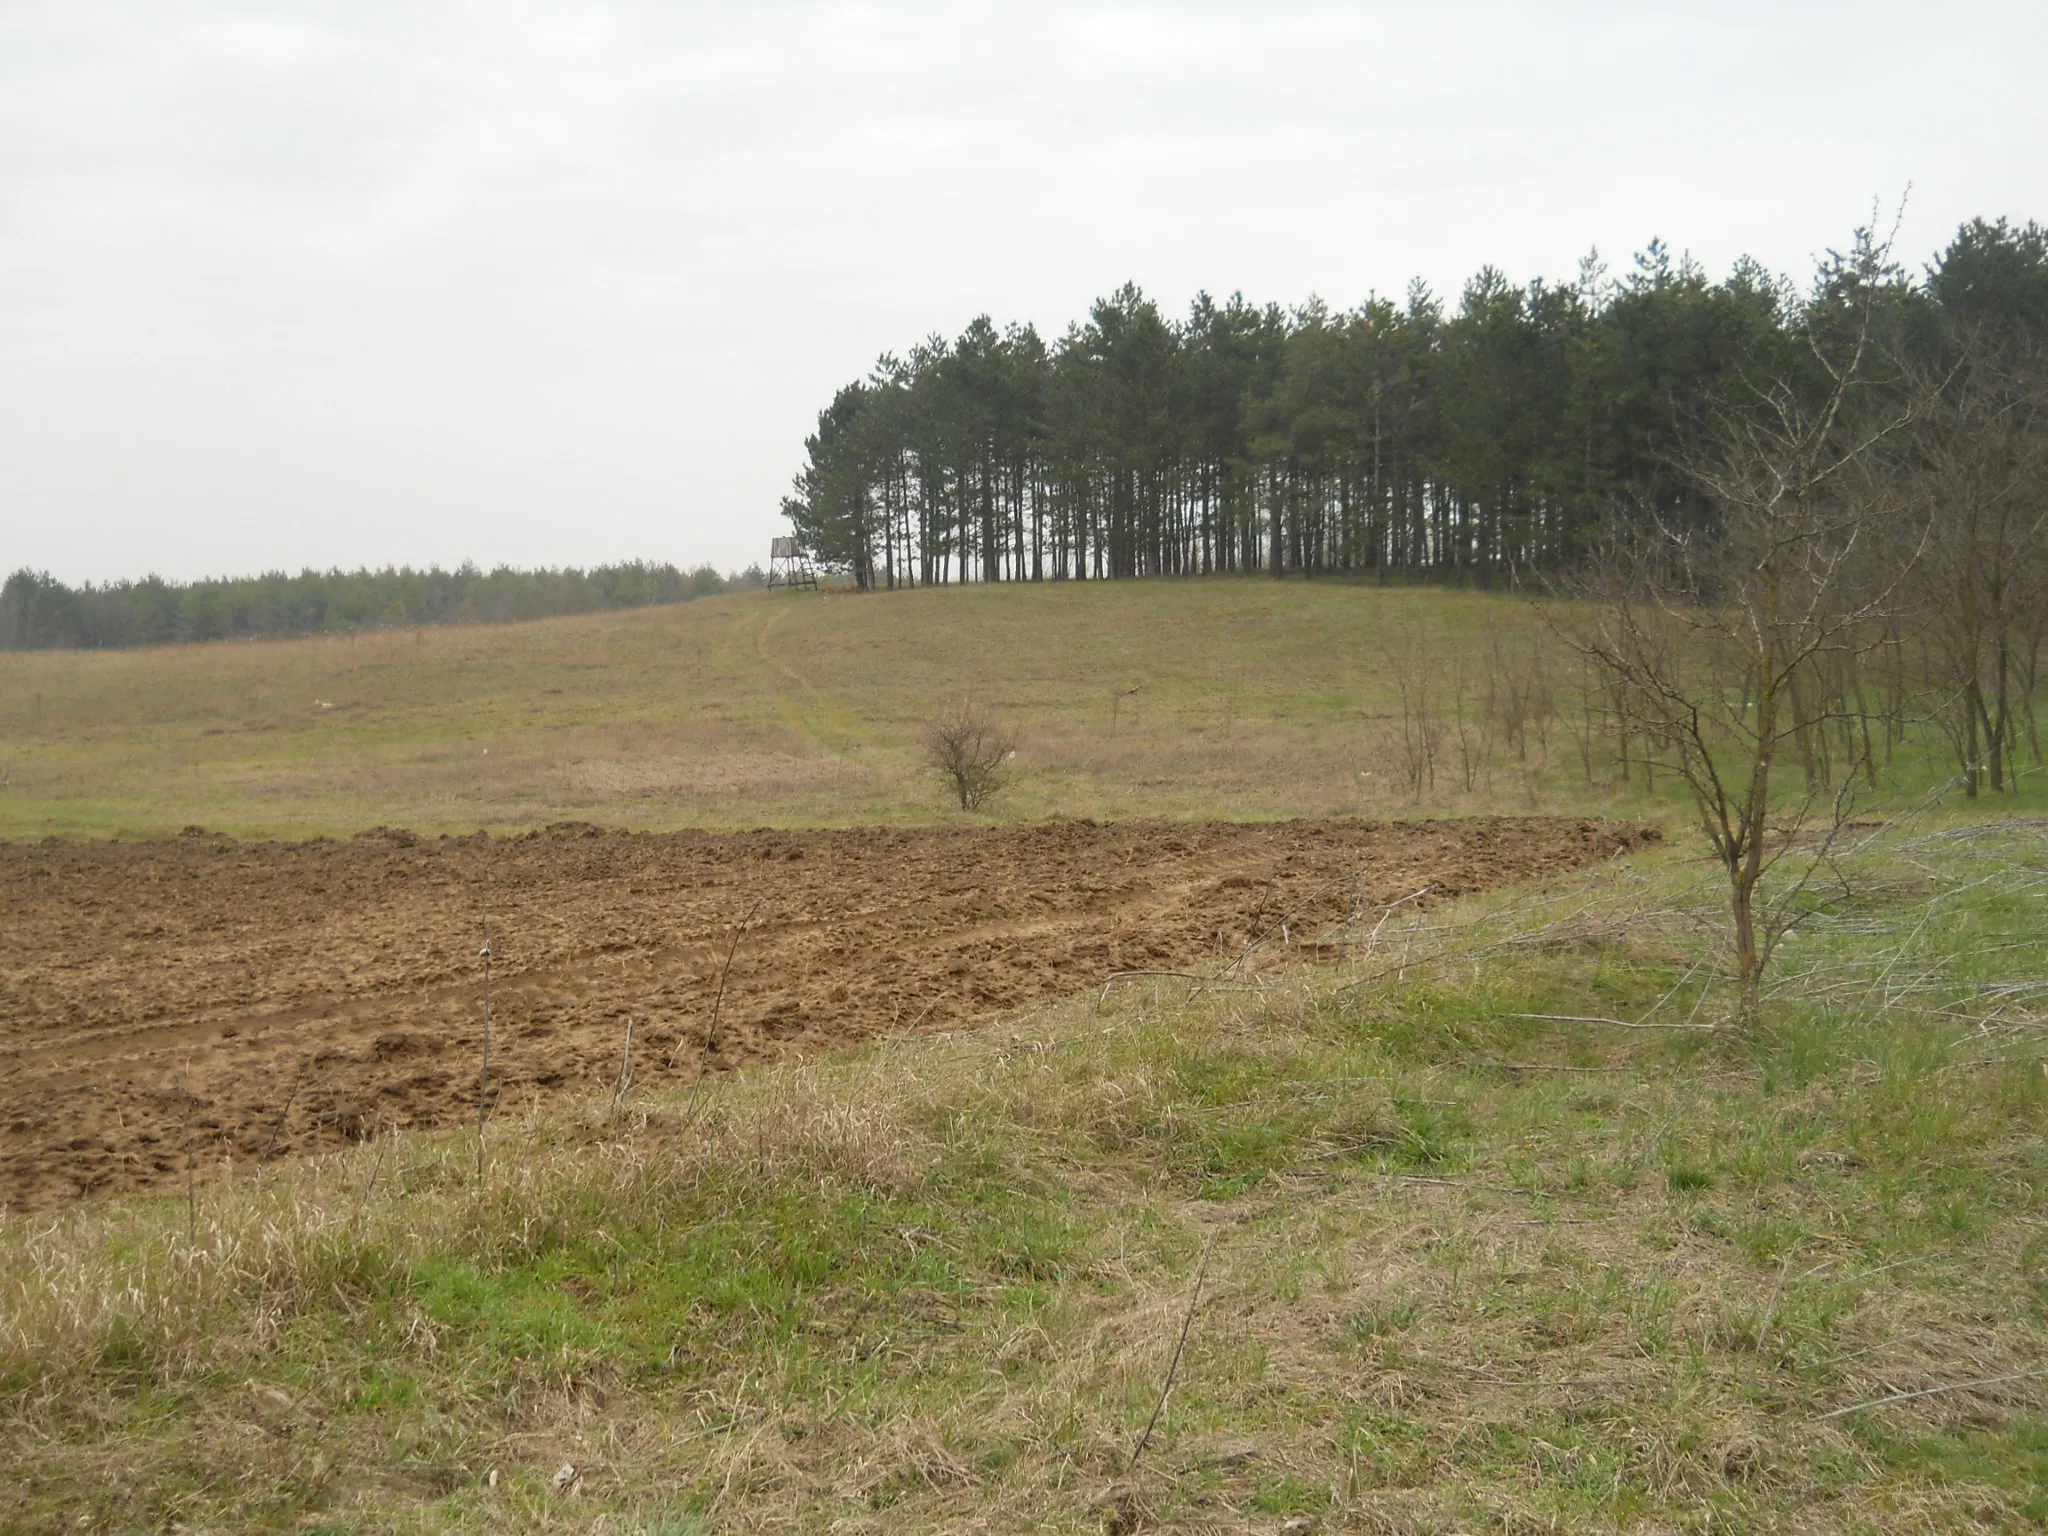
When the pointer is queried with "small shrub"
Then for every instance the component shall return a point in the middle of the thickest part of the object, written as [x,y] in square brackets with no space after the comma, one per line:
[970,752]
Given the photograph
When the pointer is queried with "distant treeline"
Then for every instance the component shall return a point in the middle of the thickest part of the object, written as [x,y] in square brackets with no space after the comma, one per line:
[1455,442]
[38,613]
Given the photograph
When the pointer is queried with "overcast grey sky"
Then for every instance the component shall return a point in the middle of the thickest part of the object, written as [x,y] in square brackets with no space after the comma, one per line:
[562,283]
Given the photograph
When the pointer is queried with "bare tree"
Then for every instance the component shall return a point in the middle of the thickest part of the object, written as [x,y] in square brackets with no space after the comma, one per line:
[970,752]
[1729,644]
[1977,469]
[1422,728]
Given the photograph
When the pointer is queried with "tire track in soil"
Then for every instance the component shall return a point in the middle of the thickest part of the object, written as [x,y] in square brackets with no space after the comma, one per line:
[821,709]
[313,993]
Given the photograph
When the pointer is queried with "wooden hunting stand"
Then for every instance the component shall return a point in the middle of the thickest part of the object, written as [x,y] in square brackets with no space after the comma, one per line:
[788,566]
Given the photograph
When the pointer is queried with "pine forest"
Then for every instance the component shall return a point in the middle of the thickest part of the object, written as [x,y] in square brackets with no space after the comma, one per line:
[1476,442]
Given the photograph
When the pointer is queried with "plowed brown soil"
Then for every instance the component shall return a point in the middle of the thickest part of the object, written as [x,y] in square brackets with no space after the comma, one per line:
[251,1000]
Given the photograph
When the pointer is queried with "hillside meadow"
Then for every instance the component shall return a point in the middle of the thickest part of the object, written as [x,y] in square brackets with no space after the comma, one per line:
[1235,698]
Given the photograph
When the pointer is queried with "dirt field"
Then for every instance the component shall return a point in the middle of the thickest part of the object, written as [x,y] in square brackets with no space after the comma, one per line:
[252,1000]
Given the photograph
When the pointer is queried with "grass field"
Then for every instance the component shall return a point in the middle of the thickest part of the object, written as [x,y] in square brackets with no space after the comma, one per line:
[1498,1224]
[1235,698]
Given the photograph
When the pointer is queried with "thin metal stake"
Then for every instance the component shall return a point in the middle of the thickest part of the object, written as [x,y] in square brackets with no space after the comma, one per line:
[191,1176]
[625,1071]
[483,1082]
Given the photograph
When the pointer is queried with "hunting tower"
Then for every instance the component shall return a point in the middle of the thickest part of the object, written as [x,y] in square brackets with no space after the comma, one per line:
[788,566]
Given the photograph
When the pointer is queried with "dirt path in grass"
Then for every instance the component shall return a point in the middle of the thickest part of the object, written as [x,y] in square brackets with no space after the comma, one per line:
[253,1000]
